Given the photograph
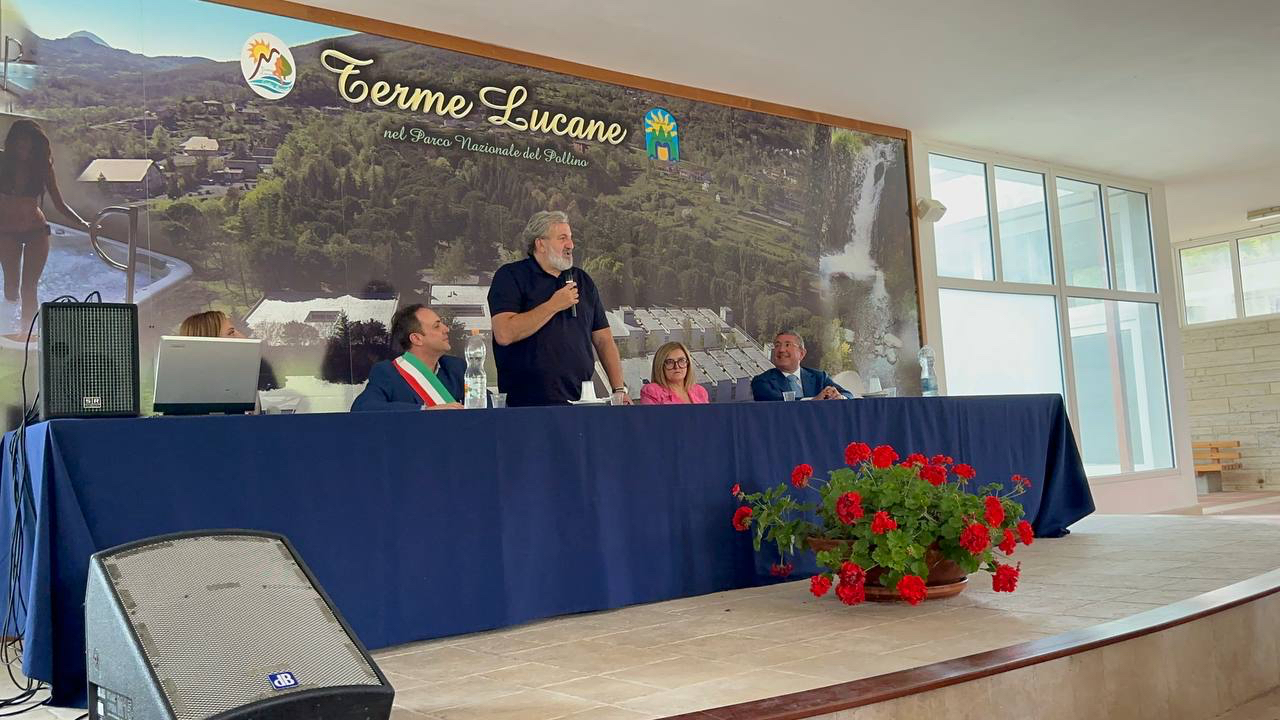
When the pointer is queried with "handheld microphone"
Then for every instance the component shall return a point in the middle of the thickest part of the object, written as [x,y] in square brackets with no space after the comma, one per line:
[567,277]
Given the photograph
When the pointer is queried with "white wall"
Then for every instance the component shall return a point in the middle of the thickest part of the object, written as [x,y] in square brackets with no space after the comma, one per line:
[1215,205]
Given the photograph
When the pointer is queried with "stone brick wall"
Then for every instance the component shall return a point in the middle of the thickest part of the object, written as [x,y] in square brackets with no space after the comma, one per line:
[1233,378]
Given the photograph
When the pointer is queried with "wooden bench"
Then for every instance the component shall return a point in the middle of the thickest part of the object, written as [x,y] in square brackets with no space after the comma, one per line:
[1211,457]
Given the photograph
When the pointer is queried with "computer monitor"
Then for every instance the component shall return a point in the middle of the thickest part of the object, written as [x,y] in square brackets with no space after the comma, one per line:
[200,375]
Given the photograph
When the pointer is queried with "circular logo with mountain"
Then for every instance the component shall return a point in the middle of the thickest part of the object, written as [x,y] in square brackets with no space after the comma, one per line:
[268,66]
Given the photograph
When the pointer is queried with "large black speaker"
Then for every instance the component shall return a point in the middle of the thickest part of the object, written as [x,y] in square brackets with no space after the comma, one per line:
[88,360]
[225,625]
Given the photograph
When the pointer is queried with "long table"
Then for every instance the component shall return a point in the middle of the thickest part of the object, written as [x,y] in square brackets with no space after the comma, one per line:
[423,525]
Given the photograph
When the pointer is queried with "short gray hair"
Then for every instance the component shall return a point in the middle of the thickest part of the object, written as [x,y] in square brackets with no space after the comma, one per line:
[539,224]
[792,333]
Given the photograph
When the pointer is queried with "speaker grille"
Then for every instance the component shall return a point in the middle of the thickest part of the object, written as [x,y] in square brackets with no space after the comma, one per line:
[89,360]
[216,615]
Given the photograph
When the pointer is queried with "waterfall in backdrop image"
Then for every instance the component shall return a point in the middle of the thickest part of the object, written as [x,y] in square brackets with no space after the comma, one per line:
[855,289]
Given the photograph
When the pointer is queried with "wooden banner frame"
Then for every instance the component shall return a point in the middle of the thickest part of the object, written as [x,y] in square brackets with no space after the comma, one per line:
[407,33]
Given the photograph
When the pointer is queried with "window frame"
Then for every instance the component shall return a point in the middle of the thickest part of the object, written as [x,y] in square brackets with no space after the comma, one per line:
[1055,270]
[1232,239]
[989,191]
[1164,296]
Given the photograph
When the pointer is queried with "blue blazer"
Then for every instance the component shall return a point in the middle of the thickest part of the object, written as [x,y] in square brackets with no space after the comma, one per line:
[770,384]
[388,391]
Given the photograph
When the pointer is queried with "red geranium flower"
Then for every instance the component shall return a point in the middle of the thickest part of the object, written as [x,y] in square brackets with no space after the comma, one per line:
[995,511]
[1025,533]
[852,573]
[742,518]
[1008,542]
[1005,578]
[935,474]
[914,459]
[782,570]
[851,593]
[883,456]
[942,460]
[849,507]
[801,474]
[857,453]
[882,523]
[819,585]
[1021,481]
[975,538]
[912,589]
[735,489]
[965,471]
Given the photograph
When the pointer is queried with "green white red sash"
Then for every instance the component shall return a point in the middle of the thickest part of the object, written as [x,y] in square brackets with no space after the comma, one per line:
[423,380]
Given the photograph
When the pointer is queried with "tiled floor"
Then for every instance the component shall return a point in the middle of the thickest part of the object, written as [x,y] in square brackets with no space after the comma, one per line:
[1241,503]
[35,710]
[661,659]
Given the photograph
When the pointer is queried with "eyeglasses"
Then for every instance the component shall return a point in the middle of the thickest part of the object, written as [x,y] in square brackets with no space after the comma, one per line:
[670,363]
[785,344]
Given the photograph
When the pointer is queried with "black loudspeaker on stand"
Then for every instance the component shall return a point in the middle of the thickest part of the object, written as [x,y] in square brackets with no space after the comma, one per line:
[88,360]
[221,625]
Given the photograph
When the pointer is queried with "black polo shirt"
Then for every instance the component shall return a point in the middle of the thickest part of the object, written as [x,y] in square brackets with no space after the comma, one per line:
[549,366]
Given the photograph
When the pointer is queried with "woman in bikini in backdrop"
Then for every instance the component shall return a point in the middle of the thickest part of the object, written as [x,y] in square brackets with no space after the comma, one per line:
[26,174]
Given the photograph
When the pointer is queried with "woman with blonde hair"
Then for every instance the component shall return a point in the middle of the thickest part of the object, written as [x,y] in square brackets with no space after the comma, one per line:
[210,323]
[671,380]
[216,324]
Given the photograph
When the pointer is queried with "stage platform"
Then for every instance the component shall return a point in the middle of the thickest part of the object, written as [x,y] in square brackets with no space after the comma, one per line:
[668,658]
[492,532]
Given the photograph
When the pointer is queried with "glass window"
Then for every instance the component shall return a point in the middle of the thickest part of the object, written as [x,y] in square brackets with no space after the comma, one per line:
[1024,226]
[1260,274]
[1118,361]
[1208,290]
[1000,343]
[1131,233]
[1022,341]
[1084,246]
[962,238]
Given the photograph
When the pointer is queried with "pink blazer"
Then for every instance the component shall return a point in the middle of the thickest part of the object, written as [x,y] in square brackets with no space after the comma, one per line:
[655,394]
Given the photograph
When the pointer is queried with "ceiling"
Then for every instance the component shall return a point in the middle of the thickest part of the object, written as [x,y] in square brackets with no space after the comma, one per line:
[1181,92]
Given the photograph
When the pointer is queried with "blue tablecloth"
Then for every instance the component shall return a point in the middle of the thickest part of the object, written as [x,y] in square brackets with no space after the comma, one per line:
[422,525]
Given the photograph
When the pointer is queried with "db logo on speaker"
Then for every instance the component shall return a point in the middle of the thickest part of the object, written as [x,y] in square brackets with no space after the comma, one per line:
[283,681]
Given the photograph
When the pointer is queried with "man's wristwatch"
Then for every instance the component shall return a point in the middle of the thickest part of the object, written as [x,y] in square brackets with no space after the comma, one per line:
[622,389]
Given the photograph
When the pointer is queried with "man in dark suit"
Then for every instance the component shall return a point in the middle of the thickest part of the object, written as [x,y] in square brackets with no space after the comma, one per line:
[423,378]
[788,376]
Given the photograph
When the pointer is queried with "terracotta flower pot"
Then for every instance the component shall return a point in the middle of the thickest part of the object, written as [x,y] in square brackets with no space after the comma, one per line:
[945,577]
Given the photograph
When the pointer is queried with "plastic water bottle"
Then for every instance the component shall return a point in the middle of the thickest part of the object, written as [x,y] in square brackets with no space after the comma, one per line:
[928,382]
[475,381]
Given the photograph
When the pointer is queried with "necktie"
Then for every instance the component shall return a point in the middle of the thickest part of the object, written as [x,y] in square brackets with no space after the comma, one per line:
[794,381]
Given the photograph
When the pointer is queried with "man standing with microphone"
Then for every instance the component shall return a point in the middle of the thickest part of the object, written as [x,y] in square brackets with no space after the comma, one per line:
[547,320]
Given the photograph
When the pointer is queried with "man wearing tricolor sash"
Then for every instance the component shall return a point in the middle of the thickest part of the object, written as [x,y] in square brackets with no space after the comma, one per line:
[423,377]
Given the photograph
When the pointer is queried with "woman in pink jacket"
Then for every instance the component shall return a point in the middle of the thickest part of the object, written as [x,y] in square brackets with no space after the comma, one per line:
[672,378]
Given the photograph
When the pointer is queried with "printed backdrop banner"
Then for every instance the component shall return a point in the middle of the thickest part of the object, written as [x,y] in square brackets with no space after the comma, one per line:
[308,180]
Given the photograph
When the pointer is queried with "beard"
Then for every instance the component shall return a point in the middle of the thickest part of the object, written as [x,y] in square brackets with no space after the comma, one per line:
[560,262]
